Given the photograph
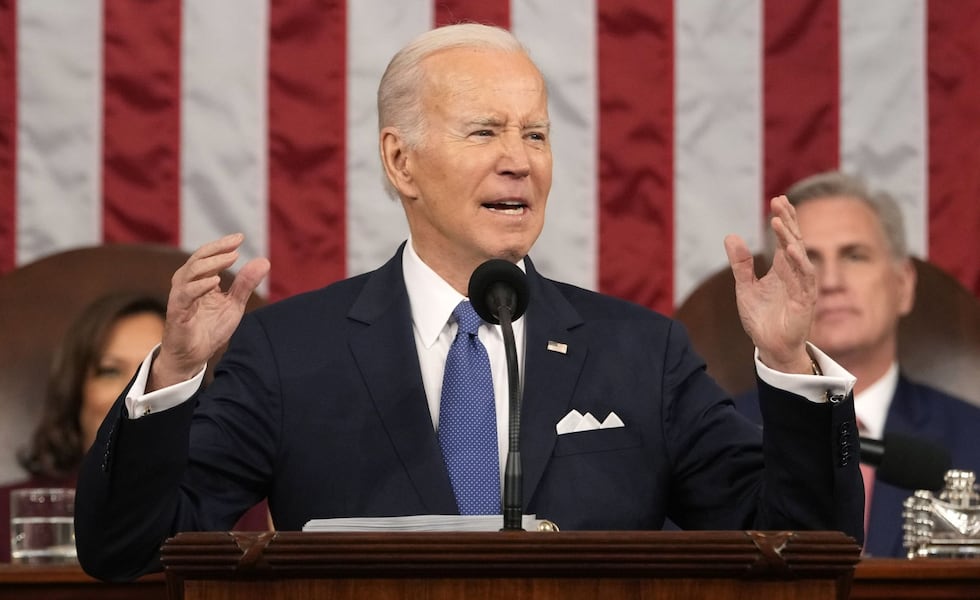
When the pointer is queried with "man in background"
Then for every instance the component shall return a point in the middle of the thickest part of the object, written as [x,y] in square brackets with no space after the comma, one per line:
[855,239]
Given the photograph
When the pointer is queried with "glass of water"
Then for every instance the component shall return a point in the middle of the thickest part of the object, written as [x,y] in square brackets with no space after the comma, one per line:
[42,528]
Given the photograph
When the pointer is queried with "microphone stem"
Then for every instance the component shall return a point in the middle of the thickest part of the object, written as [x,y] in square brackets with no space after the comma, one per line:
[513,493]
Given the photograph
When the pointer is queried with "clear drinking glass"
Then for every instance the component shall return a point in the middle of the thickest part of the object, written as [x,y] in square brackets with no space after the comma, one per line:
[42,528]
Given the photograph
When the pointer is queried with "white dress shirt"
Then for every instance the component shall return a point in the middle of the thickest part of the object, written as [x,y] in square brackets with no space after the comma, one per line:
[433,301]
[871,405]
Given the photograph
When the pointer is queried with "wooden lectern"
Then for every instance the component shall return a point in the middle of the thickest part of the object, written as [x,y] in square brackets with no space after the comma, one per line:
[510,565]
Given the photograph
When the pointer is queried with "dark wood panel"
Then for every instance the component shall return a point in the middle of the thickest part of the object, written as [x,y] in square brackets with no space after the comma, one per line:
[41,582]
[919,579]
[512,565]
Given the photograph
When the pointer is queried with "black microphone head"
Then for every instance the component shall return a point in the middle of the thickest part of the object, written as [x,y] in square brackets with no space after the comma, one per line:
[495,283]
[913,463]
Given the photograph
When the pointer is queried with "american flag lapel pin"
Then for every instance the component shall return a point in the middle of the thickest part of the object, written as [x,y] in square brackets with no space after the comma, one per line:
[558,347]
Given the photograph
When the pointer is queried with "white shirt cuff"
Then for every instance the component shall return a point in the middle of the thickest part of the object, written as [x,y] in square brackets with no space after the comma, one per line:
[835,383]
[140,404]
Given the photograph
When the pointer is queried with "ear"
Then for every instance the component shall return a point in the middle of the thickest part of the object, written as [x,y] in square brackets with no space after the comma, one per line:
[395,158]
[907,277]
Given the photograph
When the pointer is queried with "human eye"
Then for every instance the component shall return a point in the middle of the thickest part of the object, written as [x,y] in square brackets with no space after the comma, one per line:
[106,371]
[537,136]
[856,255]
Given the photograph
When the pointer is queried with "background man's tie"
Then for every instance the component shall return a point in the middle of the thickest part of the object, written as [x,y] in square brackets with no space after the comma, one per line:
[468,419]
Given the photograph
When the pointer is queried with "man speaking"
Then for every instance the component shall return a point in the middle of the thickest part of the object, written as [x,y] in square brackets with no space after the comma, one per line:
[385,395]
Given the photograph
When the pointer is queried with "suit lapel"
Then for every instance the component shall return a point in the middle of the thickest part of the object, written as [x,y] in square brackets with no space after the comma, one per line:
[550,376]
[385,353]
[904,416]
[886,520]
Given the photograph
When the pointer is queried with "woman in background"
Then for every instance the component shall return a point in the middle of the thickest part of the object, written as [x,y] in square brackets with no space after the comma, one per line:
[99,354]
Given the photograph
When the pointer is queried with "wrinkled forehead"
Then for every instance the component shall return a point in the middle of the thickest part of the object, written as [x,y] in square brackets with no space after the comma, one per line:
[488,70]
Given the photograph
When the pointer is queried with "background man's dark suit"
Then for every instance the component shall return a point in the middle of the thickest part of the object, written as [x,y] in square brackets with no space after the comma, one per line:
[924,412]
[319,404]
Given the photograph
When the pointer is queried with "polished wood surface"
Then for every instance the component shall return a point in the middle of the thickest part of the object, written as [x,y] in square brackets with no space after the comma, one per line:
[511,565]
[918,579]
[69,582]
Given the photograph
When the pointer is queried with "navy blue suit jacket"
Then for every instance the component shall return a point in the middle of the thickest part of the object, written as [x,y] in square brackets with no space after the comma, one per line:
[924,412]
[318,404]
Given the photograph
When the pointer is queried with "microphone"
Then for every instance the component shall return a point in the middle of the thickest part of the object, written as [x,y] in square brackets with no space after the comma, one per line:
[498,292]
[498,284]
[907,461]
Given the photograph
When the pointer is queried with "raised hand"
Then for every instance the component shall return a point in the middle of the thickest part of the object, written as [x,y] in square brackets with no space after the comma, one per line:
[200,316]
[777,309]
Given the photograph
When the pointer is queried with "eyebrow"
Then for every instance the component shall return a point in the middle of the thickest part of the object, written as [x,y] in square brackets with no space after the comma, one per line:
[495,122]
[856,246]
[849,247]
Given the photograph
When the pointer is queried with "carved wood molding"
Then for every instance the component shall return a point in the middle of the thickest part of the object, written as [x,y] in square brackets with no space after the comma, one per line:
[706,554]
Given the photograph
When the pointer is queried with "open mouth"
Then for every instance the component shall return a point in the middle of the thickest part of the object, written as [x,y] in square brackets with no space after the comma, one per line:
[508,208]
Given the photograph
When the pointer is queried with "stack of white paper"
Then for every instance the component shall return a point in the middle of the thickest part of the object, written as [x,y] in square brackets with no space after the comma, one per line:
[419,523]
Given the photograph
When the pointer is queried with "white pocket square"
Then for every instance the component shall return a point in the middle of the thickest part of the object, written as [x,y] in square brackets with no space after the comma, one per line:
[575,421]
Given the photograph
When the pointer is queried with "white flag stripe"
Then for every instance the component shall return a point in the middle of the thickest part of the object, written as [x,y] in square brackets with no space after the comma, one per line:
[224,165]
[883,105]
[59,137]
[376,30]
[565,51]
[718,134]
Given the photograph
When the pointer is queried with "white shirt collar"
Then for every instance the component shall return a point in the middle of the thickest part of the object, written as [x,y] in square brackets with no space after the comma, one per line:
[431,298]
[871,405]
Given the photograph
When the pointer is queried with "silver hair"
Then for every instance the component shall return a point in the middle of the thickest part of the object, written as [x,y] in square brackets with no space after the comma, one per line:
[400,90]
[836,183]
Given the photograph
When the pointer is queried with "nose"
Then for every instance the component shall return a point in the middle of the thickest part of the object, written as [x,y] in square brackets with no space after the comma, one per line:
[514,160]
[829,275]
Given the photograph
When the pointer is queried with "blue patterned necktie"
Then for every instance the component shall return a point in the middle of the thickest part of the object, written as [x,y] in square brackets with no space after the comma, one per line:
[468,419]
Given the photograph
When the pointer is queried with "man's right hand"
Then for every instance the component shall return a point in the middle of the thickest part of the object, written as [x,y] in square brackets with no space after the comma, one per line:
[201,317]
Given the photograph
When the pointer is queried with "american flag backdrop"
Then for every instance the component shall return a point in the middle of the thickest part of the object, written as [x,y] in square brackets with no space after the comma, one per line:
[177,121]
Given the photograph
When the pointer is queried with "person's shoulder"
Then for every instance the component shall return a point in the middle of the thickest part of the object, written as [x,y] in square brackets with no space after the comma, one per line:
[939,399]
[334,300]
[592,304]
[944,418]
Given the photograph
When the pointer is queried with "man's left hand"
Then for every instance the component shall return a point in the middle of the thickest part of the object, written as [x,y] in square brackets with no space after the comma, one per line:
[777,309]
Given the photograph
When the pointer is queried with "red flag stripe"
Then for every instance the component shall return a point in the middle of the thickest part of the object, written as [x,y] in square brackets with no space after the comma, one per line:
[8,135]
[801,90]
[954,138]
[636,140]
[141,119]
[307,145]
